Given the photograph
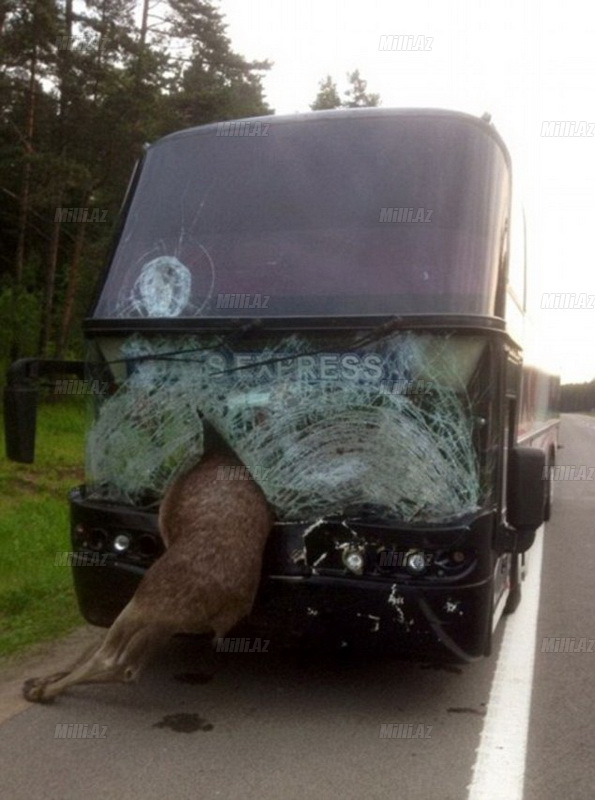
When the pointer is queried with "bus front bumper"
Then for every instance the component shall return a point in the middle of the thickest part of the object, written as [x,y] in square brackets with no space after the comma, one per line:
[306,592]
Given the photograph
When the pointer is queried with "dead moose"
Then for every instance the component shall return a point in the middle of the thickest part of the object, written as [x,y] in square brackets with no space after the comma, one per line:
[204,583]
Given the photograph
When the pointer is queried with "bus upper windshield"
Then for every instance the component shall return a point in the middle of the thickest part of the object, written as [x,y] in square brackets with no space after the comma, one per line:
[369,214]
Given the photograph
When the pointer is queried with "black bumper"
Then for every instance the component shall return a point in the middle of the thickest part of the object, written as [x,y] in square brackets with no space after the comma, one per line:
[306,593]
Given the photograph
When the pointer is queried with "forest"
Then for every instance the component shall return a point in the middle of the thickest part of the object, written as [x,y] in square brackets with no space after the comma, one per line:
[578,397]
[83,87]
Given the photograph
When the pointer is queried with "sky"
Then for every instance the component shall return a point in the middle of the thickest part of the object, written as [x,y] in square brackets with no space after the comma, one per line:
[524,62]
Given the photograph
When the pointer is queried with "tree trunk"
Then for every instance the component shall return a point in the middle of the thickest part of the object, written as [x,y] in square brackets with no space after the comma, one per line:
[26,184]
[24,197]
[74,272]
[47,312]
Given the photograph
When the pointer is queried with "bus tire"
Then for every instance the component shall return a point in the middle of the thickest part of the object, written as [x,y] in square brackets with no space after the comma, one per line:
[514,597]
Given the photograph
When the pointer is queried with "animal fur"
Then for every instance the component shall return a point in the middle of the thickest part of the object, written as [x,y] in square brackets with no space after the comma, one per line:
[205,582]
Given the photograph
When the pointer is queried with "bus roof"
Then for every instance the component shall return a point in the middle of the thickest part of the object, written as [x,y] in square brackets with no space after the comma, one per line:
[424,114]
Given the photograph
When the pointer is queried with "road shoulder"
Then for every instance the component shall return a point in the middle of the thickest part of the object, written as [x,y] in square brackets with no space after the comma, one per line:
[40,659]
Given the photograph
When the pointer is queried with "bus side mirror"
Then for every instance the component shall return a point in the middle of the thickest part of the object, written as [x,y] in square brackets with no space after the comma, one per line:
[20,422]
[526,489]
[21,394]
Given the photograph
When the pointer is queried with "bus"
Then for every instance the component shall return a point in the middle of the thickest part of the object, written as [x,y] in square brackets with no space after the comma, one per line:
[332,296]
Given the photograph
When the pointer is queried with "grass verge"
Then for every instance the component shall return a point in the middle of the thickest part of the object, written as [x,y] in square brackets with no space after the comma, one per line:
[37,600]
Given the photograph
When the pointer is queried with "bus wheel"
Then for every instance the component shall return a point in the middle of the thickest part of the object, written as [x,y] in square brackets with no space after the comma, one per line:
[514,598]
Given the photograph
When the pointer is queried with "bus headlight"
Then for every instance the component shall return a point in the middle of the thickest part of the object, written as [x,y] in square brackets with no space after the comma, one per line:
[121,543]
[416,562]
[354,561]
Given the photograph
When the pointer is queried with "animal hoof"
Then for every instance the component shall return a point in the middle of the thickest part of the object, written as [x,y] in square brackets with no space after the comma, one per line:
[33,691]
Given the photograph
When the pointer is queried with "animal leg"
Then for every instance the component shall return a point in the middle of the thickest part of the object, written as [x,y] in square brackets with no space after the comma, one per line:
[127,647]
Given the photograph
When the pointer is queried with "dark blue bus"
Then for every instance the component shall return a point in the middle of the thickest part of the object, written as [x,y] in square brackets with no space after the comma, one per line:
[326,294]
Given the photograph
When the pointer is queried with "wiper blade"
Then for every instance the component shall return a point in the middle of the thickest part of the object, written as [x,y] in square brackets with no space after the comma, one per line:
[376,334]
[174,355]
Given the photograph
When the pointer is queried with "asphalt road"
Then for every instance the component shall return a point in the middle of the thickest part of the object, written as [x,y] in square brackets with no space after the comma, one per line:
[278,725]
[560,758]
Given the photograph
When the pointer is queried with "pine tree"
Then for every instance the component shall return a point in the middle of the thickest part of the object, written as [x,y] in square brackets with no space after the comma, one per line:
[82,88]
[327,97]
[356,95]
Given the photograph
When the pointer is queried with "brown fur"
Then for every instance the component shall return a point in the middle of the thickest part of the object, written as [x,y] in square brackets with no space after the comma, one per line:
[206,581]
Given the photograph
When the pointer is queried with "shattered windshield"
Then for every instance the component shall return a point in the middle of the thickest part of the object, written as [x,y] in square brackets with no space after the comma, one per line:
[326,425]
[349,215]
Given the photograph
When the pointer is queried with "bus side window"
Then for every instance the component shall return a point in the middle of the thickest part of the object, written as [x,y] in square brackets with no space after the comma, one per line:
[517,254]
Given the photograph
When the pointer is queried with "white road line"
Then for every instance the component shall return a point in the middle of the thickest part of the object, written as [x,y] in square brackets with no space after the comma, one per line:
[499,770]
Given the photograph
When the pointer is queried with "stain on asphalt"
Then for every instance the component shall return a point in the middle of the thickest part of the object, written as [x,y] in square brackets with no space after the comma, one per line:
[184,723]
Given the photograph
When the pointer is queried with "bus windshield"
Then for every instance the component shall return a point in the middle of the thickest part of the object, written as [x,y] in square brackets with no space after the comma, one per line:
[349,214]
[326,424]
